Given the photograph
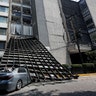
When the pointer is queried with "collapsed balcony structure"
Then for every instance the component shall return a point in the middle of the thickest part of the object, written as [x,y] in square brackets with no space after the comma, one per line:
[31,54]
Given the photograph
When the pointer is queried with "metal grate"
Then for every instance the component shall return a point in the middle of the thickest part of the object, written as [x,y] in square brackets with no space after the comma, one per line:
[30,53]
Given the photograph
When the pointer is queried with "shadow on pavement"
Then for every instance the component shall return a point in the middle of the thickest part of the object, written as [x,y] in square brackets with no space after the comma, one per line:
[35,92]
[3,93]
[85,93]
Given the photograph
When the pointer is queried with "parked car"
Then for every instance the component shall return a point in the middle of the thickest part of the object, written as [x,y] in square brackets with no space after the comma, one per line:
[14,79]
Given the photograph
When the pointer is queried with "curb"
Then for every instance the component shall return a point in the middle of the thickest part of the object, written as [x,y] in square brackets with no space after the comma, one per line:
[88,74]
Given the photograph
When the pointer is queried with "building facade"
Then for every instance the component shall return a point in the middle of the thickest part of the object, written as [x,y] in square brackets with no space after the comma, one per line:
[78,38]
[88,11]
[20,16]
[37,18]
[51,31]
[4,11]
[52,22]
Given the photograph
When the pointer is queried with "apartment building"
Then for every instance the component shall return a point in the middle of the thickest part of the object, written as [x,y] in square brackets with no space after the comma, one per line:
[20,17]
[88,11]
[4,11]
[53,22]
[38,19]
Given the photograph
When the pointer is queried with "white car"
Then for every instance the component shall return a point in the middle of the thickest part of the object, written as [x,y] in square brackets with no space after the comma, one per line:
[14,79]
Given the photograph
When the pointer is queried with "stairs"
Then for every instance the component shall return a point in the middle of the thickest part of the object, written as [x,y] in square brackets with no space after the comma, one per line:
[30,53]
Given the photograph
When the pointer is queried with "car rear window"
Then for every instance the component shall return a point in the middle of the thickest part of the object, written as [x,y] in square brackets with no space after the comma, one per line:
[21,70]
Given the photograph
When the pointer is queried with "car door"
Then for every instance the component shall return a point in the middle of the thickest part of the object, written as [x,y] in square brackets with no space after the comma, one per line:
[23,75]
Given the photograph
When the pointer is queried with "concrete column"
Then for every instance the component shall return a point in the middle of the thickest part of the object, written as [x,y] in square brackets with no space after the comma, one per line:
[41,22]
[50,29]
[56,31]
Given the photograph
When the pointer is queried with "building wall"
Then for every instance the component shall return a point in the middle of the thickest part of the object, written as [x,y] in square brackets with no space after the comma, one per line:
[4,10]
[41,22]
[88,13]
[21,17]
[92,7]
[50,28]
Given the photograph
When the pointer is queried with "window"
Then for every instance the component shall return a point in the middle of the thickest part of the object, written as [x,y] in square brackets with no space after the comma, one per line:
[26,20]
[21,70]
[93,38]
[83,4]
[4,1]
[26,2]
[16,1]
[16,10]
[3,9]
[16,29]
[91,26]
[27,30]
[2,44]
[3,19]
[2,31]
[89,21]
[26,11]
[16,19]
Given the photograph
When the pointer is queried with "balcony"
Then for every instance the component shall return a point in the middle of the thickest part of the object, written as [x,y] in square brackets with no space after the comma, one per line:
[16,1]
[4,14]
[16,19]
[16,10]
[4,3]
[27,20]
[26,2]
[26,11]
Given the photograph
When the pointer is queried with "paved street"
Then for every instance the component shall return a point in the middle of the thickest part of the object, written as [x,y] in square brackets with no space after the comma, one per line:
[84,86]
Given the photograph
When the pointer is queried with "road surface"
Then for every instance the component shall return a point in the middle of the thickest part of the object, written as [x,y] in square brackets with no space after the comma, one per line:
[84,86]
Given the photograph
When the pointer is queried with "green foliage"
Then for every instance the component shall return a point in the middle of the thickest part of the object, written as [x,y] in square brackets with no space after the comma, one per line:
[81,68]
[76,65]
[77,68]
[91,56]
[88,67]
[88,64]
[67,65]
[94,36]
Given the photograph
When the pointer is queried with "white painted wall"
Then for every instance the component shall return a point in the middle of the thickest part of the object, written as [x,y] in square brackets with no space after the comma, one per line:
[4,4]
[27,30]
[3,37]
[1,53]
[92,7]
[4,14]
[3,25]
[55,30]
[41,23]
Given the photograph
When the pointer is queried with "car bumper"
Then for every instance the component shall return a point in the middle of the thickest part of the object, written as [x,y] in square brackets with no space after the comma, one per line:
[7,86]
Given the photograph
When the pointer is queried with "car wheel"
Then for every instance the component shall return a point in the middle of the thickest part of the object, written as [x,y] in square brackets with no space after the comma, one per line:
[19,85]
